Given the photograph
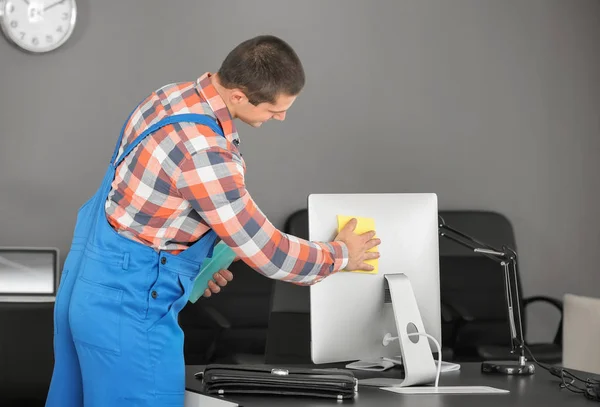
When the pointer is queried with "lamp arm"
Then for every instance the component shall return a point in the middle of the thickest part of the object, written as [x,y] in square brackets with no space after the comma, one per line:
[477,244]
[490,253]
[507,258]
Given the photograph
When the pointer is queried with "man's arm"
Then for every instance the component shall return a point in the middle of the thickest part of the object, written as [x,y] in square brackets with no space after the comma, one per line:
[212,180]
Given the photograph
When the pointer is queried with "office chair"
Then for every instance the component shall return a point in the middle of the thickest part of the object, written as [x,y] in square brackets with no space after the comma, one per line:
[475,323]
[26,352]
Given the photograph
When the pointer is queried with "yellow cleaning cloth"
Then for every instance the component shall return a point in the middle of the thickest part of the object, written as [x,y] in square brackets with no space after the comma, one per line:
[362,226]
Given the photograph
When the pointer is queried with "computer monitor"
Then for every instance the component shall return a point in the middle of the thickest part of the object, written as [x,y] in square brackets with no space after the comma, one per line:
[349,312]
[28,273]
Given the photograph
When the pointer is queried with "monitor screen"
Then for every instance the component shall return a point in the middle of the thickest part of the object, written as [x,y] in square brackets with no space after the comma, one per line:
[27,271]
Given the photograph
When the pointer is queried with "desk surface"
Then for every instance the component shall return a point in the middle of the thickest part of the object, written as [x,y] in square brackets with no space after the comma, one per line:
[540,389]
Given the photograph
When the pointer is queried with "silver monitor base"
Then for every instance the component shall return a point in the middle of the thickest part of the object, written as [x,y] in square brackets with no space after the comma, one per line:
[419,367]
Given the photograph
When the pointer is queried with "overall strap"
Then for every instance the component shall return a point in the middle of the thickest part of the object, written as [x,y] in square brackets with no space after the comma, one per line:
[118,146]
[178,118]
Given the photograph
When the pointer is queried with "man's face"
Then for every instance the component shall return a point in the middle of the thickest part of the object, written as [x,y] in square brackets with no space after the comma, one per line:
[255,116]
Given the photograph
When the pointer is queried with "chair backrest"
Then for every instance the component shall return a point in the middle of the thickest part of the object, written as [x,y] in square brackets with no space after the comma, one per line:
[474,284]
[581,333]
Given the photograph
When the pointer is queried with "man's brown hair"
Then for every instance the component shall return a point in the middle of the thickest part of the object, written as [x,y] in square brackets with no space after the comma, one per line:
[263,67]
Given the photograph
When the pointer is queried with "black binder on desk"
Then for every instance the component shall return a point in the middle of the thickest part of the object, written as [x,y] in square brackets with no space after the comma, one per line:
[228,380]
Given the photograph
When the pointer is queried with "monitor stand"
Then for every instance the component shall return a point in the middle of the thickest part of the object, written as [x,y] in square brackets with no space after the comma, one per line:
[420,371]
[417,359]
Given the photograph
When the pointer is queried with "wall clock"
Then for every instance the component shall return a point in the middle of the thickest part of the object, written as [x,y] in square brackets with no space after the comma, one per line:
[38,26]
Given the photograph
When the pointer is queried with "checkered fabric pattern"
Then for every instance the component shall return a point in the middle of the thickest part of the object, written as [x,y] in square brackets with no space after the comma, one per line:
[184,180]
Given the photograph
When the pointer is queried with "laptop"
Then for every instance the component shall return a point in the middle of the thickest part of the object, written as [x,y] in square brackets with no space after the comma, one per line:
[28,274]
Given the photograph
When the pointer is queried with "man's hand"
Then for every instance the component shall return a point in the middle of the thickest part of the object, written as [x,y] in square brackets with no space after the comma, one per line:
[358,246]
[222,278]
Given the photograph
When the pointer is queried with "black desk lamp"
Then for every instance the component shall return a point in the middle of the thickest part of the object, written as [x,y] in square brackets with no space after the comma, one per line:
[507,258]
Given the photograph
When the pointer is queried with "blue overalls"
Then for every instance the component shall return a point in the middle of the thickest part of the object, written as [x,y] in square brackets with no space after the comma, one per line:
[117,341]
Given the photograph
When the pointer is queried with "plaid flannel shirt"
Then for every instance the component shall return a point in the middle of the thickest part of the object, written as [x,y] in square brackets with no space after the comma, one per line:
[184,180]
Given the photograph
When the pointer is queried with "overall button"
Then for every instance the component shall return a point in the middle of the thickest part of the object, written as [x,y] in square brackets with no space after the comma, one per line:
[163,260]
[154,294]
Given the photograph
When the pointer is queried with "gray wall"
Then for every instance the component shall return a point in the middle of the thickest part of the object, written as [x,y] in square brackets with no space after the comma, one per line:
[490,104]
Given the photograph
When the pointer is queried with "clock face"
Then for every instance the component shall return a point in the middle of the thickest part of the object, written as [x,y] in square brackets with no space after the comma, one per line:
[38,25]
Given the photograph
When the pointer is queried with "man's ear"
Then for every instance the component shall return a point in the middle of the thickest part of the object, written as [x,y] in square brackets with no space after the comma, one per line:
[237,97]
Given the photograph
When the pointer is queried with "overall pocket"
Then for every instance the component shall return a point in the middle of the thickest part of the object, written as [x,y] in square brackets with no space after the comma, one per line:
[95,315]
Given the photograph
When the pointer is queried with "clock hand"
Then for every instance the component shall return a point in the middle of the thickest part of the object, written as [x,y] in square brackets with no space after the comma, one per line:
[53,4]
[26,2]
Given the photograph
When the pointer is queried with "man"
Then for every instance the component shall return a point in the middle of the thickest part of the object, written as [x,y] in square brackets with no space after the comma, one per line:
[175,186]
